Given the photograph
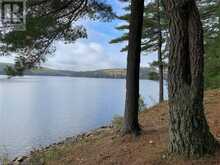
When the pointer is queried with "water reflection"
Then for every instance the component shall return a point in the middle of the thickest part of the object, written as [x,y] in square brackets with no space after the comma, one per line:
[38,111]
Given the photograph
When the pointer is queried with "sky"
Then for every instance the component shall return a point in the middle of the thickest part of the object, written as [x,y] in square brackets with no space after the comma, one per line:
[95,52]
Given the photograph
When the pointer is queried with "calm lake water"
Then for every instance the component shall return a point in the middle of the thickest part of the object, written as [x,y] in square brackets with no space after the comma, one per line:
[38,111]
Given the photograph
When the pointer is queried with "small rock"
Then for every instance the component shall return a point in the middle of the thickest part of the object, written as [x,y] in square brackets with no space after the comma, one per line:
[151,142]
[14,159]
[48,147]
[164,156]
[19,160]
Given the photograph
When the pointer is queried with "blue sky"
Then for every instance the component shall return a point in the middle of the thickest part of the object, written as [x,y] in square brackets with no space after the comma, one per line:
[95,52]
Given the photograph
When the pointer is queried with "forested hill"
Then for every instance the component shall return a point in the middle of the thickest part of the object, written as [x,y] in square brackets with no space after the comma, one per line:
[145,73]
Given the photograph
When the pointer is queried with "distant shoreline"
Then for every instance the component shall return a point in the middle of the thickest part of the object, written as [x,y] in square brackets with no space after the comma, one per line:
[43,75]
[115,73]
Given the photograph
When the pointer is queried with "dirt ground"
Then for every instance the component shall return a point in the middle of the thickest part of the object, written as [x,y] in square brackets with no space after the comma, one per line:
[109,148]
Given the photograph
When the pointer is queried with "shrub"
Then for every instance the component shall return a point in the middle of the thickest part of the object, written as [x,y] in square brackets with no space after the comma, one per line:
[141,104]
[117,122]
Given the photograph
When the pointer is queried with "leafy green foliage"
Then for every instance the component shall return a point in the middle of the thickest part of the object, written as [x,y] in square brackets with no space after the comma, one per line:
[18,68]
[10,71]
[153,75]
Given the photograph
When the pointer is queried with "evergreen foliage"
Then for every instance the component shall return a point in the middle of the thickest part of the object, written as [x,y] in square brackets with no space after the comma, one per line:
[212,56]
[48,22]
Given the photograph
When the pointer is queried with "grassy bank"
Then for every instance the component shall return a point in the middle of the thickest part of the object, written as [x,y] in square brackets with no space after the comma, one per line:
[106,147]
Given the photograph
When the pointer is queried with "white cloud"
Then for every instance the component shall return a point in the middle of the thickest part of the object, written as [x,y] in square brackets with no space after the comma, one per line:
[95,52]
[83,56]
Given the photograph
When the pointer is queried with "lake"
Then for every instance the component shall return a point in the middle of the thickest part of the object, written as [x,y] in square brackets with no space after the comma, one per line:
[38,111]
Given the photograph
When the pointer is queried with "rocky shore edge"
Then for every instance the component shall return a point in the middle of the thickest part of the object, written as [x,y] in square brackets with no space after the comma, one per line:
[23,160]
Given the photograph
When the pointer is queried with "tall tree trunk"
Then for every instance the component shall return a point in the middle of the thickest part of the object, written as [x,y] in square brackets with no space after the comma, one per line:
[189,133]
[131,124]
[160,59]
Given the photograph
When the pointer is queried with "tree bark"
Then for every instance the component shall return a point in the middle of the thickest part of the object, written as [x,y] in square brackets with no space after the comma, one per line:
[189,133]
[160,59]
[131,124]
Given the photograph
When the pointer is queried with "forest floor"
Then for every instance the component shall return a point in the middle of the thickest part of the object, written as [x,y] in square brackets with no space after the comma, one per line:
[106,147]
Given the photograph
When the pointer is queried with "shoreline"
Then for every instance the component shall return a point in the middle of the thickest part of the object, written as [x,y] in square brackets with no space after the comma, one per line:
[105,145]
[92,77]
[22,160]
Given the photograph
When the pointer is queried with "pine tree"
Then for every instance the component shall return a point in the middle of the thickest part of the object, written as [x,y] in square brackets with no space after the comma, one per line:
[154,36]
[131,124]
[47,22]
[189,133]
